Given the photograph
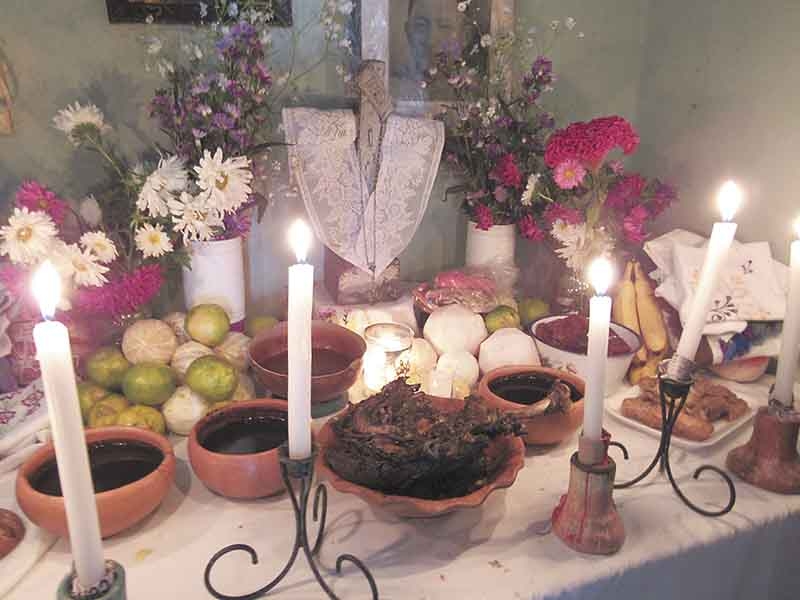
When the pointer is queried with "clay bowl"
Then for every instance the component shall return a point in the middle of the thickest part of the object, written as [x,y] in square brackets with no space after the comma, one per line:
[242,476]
[118,509]
[542,429]
[511,447]
[273,343]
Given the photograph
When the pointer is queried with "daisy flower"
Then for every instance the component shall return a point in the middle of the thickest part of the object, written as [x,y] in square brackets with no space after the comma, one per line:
[28,237]
[79,122]
[152,241]
[99,245]
[569,174]
[87,269]
[226,181]
[193,218]
[169,178]
[530,188]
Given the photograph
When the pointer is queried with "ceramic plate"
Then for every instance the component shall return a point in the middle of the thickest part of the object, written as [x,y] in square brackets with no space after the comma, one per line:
[755,394]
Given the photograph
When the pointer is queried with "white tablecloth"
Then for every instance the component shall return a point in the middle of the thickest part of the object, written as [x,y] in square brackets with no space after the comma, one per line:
[496,552]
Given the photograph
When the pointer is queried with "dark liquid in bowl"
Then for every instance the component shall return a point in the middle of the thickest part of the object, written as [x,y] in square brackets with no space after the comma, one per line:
[323,362]
[527,388]
[248,435]
[114,464]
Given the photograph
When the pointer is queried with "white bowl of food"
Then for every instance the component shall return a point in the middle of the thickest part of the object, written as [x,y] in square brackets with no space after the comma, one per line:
[561,341]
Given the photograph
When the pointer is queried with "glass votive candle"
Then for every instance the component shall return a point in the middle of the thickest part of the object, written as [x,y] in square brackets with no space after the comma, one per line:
[385,342]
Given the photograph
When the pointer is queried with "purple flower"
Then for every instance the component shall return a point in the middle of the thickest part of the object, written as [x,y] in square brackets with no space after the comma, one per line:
[504,122]
[222,121]
[500,194]
[663,196]
[542,67]
[452,48]
[201,85]
[198,134]
[237,224]
[232,110]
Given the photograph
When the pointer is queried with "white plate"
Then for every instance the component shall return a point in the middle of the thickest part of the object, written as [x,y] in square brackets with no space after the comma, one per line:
[755,394]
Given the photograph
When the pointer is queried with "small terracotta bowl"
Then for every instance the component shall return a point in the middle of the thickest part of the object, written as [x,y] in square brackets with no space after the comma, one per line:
[117,509]
[542,429]
[240,476]
[324,336]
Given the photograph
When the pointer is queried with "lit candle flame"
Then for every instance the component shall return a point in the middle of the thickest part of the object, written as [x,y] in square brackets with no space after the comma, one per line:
[729,199]
[46,286]
[300,239]
[601,273]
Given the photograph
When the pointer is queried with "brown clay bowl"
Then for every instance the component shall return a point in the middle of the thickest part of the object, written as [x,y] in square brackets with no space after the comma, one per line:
[542,429]
[117,509]
[511,447]
[324,336]
[241,476]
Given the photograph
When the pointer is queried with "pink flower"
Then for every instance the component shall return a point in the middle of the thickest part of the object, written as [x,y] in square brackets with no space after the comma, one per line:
[507,172]
[17,282]
[500,194]
[616,167]
[483,217]
[36,197]
[626,192]
[633,225]
[558,212]
[589,143]
[530,229]
[125,294]
[569,174]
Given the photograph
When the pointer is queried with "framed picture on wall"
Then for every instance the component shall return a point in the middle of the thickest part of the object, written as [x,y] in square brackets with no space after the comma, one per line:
[183,11]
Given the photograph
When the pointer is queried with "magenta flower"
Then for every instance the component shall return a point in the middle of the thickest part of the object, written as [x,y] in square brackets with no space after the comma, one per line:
[507,172]
[558,212]
[626,192]
[530,229]
[483,217]
[123,295]
[633,225]
[569,174]
[36,197]
[589,143]
[500,194]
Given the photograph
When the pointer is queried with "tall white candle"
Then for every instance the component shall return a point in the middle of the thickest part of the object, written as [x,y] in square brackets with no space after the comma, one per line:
[600,275]
[301,299]
[60,389]
[722,235]
[790,338]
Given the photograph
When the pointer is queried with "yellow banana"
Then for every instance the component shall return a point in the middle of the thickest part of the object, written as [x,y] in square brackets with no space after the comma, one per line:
[624,310]
[651,321]
[648,369]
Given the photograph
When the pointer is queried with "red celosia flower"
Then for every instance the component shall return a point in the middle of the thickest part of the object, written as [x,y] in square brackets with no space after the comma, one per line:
[558,212]
[36,197]
[633,225]
[590,142]
[530,229]
[507,172]
[123,295]
[483,217]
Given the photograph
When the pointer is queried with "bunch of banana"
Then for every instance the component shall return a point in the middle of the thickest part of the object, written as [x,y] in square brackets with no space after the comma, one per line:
[636,308]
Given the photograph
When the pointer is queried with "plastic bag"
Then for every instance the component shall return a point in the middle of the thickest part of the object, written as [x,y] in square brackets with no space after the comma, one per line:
[480,289]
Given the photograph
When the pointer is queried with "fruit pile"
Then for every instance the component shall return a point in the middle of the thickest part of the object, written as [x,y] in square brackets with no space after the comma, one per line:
[636,308]
[167,374]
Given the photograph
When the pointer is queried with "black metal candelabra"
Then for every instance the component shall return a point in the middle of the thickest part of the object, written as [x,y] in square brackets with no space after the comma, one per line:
[302,471]
[675,378]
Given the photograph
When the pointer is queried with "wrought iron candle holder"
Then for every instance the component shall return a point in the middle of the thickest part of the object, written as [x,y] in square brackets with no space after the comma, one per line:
[302,472]
[111,587]
[769,460]
[675,379]
[586,518]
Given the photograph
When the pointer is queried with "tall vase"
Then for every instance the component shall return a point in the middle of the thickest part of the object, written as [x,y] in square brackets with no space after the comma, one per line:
[216,276]
[495,245]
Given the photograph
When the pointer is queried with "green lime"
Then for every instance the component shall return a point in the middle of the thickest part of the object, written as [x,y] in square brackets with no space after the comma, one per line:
[501,318]
[208,324]
[212,378]
[104,412]
[531,309]
[88,395]
[106,367]
[143,417]
[253,325]
[149,383]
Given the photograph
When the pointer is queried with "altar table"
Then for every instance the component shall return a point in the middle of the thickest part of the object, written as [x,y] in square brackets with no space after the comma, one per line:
[501,551]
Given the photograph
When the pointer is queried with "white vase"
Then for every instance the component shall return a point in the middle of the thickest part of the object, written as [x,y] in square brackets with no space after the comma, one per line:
[492,246]
[216,276]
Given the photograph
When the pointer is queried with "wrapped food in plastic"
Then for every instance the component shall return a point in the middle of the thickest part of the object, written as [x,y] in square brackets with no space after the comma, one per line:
[480,289]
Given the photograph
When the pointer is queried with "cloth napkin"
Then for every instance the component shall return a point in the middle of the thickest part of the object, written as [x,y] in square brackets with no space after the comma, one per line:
[23,425]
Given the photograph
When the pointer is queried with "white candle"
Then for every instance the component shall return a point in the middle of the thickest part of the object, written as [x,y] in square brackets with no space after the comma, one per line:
[600,275]
[722,235]
[790,338]
[58,378]
[301,299]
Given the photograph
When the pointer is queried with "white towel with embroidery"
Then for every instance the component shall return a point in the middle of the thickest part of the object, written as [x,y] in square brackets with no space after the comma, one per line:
[24,425]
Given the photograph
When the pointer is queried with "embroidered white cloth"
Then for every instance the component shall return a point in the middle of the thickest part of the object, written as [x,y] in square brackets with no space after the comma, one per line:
[366,230]
[24,425]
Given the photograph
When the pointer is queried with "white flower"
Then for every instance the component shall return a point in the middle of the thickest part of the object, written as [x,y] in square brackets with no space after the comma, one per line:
[152,241]
[346,7]
[89,210]
[569,23]
[193,218]
[555,24]
[339,69]
[153,46]
[28,237]
[169,178]
[580,246]
[99,245]
[345,43]
[72,117]
[462,6]
[87,269]
[60,257]
[203,10]
[233,10]
[226,182]
[486,40]
[530,187]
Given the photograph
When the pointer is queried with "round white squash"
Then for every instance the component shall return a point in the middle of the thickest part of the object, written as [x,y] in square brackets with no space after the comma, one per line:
[418,359]
[186,354]
[149,340]
[246,390]
[507,347]
[183,410]
[234,349]
[453,328]
[461,365]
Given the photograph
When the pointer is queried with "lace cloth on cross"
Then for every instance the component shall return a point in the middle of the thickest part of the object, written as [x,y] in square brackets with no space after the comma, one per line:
[363,229]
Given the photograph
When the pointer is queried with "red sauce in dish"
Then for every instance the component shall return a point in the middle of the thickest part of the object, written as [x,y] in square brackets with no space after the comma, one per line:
[571,333]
